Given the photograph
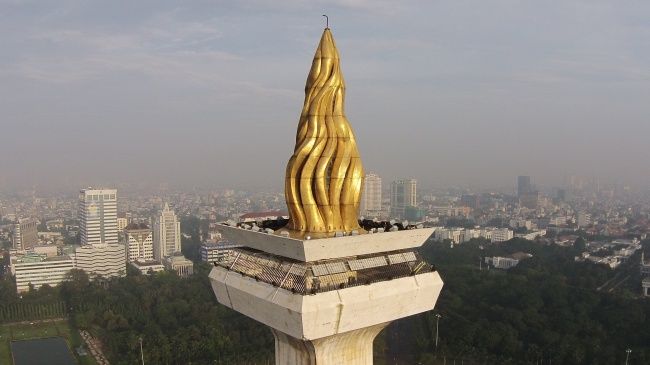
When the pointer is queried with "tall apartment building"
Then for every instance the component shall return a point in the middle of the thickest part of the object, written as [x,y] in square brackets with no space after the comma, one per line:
[523,185]
[25,233]
[371,199]
[98,216]
[166,234]
[139,242]
[403,194]
[103,260]
[38,270]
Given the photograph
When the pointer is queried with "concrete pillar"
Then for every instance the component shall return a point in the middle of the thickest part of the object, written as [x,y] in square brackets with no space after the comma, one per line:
[349,348]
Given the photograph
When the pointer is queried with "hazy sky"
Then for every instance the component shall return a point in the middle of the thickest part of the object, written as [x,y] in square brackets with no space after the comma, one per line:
[209,92]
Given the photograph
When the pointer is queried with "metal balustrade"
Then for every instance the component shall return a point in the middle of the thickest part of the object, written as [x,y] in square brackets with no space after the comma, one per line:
[317,277]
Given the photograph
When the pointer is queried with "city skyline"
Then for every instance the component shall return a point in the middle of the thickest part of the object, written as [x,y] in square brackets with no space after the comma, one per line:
[520,88]
[495,149]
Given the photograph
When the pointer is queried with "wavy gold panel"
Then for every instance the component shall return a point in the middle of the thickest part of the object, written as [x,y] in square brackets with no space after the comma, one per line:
[324,176]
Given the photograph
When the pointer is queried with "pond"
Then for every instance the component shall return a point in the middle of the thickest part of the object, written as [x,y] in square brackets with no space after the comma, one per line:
[43,351]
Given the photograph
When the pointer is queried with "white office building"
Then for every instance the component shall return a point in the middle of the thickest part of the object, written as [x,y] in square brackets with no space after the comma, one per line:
[38,270]
[178,263]
[98,216]
[139,241]
[531,236]
[166,234]
[103,260]
[452,234]
[371,199]
[502,235]
[503,263]
[148,267]
[217,251]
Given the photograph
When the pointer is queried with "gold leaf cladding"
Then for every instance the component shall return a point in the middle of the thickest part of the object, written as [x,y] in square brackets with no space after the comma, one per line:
[324,176]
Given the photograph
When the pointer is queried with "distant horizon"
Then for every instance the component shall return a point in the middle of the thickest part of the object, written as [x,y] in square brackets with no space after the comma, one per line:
[133,188]
[209,94]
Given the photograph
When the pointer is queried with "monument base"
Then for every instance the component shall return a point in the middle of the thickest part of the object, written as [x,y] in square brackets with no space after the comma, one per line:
[349,348]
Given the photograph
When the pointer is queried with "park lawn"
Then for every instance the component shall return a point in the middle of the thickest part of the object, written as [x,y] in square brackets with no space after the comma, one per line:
[48,328]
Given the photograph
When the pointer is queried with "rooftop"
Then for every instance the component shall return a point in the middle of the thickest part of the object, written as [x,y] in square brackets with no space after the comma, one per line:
[254,215]
[136,226]
[370,239]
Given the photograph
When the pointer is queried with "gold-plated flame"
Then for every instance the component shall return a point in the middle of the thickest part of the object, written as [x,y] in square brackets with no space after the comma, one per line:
[324,176]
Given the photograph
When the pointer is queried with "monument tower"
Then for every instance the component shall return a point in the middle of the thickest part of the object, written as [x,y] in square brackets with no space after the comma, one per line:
[325,282]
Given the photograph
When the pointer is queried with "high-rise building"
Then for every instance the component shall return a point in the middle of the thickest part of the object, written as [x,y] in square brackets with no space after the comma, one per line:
[523,185]
[166,234]
[371,198]
[403,193]
[25,233]
[98,216]
[139,242]
[103,260]
[530,200]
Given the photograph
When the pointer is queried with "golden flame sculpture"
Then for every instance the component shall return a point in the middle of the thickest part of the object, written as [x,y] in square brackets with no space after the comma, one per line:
[324,176]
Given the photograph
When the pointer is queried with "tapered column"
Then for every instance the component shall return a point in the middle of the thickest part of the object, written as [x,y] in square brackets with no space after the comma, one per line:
[349,348]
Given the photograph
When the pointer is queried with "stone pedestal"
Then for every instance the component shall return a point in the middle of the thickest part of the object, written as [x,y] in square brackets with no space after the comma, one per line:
[313,321]
[350,348]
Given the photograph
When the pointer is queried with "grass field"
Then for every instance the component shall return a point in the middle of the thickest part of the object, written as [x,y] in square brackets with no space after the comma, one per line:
[40,329]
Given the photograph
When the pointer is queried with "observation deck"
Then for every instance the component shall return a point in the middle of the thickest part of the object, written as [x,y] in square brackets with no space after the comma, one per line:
[321,276]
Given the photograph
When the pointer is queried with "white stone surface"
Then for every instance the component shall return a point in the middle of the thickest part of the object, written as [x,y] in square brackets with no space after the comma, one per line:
[327,248]
[350,348]
[330,313]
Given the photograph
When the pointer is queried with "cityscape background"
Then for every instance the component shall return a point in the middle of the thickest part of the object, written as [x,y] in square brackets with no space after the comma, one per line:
[470,93]
[142,155]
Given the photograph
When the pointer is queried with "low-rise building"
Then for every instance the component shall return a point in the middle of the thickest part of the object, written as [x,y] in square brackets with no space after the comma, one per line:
[452,234]
[531,236]
[216,251]
[105,260]
[148,267]
[501,262]
[451,211]
[458,235]
[178,263]
[47,250]
[502,235]
[507,262]
[36,270]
